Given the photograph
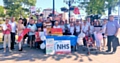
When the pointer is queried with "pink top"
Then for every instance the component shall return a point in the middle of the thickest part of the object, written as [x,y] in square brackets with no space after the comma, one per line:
[7,31]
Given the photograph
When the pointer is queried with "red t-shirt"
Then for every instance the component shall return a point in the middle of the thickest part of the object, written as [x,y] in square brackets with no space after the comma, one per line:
[37,37]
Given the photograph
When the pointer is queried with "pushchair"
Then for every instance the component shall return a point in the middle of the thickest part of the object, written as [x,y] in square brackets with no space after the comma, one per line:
[89,44]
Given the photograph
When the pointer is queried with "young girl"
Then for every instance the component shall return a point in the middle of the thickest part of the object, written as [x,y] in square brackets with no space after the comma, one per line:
[37,38]
[7,36]
[98,38]
[20,28]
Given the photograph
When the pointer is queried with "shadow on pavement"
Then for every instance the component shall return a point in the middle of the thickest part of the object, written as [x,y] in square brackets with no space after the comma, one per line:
[36,54]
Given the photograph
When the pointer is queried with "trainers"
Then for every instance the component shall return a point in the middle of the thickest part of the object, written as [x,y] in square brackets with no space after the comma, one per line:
[4,51]
[107,51]
[10,50]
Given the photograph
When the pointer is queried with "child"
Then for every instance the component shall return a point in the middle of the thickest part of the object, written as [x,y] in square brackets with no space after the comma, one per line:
[38,40]
[90,42]
[98,38]
[7,36]
[20,28]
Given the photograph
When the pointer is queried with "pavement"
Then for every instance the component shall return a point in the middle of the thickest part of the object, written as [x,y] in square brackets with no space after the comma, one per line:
[29,55]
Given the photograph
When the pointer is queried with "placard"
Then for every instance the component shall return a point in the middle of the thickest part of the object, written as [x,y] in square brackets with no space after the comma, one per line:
[50,46]
[33,10]
[62,46]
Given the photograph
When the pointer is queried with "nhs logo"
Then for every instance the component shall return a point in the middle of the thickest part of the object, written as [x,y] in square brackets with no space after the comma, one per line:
[62,46]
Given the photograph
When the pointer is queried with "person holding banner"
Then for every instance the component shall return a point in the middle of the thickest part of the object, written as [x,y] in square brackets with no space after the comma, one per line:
[31,34]
[7,35]
[56,25]
[20,28]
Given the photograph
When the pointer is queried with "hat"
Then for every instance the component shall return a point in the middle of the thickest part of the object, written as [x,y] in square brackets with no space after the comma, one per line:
[111,15]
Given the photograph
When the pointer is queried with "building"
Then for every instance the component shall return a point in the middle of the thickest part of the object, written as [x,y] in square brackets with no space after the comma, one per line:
[47,11]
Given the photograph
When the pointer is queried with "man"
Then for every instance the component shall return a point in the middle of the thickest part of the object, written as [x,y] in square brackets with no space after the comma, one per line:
[88,21]
[13,31]
[112,28]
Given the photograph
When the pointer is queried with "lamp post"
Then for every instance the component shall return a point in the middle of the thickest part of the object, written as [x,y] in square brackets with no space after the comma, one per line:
[53,12]
[69,3]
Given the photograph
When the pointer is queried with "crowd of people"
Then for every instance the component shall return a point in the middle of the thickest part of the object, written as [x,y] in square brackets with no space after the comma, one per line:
[108,29]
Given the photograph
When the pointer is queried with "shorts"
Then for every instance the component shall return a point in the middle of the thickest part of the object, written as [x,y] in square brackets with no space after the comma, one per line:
[31,38]
[103,35]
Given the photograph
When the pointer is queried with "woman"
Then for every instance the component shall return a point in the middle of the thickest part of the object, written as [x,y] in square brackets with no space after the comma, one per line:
[20,28]
[71,28]
[56,25]
[85,30]
[62,25]
[31,34]
[7,35]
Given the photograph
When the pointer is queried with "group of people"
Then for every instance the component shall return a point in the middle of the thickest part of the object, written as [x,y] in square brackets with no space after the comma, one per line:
[40,28]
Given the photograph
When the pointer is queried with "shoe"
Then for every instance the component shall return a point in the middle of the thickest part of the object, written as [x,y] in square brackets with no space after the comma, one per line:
[108,51]
[20,49]
[4,51]
[10,50]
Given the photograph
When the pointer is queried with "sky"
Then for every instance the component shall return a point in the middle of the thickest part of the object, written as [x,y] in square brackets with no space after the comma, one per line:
[43,4]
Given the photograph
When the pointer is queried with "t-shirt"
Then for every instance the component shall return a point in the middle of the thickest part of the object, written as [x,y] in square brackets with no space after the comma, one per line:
[56,26]
[37,36]
[91,29]
[104,28]
[32,28]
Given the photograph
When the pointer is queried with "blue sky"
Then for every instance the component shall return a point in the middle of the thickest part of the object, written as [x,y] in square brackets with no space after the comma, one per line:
[48,4]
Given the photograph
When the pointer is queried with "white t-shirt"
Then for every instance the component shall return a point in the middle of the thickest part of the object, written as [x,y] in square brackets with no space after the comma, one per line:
[103,28]
[91,29]
[71,30]
[63,27]
[33,28]
[13,26]
[56,26]
[77,28]
[85,28]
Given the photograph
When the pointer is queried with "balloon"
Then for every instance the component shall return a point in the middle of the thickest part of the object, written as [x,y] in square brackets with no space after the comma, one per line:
[42,46]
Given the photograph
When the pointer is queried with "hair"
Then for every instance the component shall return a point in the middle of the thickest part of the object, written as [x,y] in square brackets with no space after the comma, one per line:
[20,19]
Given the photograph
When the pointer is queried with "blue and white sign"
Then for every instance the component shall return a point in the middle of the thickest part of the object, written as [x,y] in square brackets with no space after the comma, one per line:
[62,46]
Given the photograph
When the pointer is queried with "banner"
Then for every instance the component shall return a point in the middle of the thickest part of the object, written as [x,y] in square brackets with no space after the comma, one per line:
[50,46]
[62,46]
[24,32]
[56,31]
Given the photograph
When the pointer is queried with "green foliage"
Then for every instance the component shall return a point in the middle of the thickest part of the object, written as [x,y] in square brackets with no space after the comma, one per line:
[15,7]
[2,11]
[99,6]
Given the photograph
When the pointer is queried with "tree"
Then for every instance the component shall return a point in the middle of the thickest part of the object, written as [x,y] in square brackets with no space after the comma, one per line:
[111,5]
[15,7]
[99,6]
[1,11]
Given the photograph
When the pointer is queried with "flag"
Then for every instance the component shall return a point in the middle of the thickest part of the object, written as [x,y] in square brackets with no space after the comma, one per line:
[76,10]
[24,32]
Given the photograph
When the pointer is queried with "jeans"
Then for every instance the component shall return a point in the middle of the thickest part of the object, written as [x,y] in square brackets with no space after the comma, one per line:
[7,40]
[110,41]
[12,40]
